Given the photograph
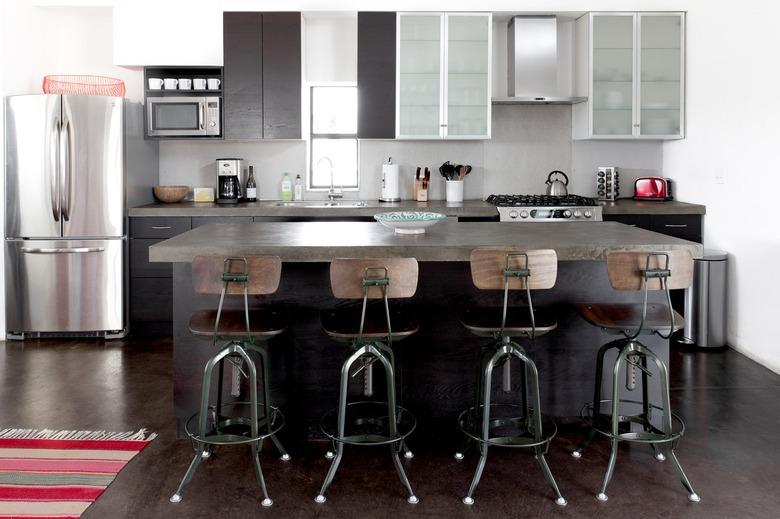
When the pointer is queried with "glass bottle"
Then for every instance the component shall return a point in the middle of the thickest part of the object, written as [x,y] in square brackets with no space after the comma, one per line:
[251,186]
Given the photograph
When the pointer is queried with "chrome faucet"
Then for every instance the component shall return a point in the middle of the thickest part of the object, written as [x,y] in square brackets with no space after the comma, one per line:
[333,193]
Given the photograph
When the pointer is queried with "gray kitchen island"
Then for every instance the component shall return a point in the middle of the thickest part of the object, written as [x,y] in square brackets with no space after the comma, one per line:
[436,365]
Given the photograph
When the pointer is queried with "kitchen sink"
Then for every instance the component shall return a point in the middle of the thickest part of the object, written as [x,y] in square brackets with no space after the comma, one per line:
[320,204]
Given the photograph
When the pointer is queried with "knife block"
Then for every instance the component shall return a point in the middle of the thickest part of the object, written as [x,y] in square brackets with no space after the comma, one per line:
[421,190]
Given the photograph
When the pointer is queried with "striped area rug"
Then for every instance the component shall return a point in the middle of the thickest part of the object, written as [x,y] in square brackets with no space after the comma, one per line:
[58,474]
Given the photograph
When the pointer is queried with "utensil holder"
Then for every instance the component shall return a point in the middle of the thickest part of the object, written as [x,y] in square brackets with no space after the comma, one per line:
[454,190]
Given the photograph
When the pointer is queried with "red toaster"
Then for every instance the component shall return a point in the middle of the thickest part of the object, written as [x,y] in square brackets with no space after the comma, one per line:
[653,188]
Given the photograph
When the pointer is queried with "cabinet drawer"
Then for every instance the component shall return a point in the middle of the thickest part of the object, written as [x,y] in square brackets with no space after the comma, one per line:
[683,226]
[151,299]
[197,221]
[140,266]
[636,220]
[158,226]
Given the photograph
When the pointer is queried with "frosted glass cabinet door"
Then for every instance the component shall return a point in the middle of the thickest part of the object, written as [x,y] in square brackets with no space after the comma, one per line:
[419,75]
[613,74]
[468,75]
[660,74]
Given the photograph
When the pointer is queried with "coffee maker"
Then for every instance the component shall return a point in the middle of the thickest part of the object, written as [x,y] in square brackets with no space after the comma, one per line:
[230,179]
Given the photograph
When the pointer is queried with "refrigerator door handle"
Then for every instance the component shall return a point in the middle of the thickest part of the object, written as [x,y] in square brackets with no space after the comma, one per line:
[55,168]
[62,250]
[66,158]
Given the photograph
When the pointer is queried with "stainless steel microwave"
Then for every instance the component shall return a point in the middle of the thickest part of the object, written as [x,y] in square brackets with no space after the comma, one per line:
[183,116]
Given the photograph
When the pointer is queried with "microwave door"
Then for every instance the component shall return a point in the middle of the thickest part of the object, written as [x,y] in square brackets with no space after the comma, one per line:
[32,129]
[92,180]
[184,116]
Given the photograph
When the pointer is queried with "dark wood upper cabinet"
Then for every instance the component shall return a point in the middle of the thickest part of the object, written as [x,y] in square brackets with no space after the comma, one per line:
[376,75]
[262,75]
[281,75]
[242,41]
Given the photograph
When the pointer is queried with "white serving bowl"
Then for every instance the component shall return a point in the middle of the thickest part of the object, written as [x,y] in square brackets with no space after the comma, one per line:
[409,222]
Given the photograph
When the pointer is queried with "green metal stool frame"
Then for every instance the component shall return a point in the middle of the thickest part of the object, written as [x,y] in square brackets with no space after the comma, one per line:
[226,430]
[632,353]
[399,422]
[530,429]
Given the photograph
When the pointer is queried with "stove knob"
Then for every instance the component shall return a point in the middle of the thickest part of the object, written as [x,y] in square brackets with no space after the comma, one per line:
[512,214]
[523,214]
[577,213]
[588,213]
[566,213]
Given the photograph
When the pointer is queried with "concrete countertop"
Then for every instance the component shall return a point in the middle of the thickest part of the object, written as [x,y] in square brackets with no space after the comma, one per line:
[467,208]
[631,206]
[446,241]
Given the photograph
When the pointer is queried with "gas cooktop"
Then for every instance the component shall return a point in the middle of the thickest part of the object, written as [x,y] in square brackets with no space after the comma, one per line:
[540,201]
[546,208]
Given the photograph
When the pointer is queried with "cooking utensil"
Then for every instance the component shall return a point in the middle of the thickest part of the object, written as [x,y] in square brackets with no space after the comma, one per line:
[554,186]
[461,172]
[447,170]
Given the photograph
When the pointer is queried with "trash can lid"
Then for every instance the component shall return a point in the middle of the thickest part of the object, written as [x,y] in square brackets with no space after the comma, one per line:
[714,255]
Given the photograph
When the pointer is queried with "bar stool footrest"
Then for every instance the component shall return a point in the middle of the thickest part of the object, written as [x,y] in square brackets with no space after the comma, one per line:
[509,426]
[367,423]
[602,424]
[234,430]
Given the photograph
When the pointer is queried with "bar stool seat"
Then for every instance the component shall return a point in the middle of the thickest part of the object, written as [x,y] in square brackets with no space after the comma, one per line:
[263,322]
[486,320]
[627,317]
[344,323]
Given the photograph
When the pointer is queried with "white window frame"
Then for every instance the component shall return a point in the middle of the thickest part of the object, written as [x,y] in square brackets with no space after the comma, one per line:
[308,97]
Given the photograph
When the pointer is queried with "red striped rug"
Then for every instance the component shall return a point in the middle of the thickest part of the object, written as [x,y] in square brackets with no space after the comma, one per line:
[58,474]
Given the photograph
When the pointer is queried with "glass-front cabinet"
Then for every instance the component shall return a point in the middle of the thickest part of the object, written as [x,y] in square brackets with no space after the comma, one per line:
[443,75]
[632,74]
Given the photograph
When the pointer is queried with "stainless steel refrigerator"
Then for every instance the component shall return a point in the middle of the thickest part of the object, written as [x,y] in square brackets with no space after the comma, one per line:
[64,216]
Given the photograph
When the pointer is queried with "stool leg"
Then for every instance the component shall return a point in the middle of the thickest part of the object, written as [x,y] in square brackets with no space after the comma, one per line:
[478,390]
[342,418]
[613,443]
[261,351]
[646,409]
[483,446]
[667,423]
[204,406]
[391,409]
[577,453]
[408,454]
[256,448]
[530,366]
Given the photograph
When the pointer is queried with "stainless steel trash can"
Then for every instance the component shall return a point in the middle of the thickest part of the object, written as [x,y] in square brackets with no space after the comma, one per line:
[705,302]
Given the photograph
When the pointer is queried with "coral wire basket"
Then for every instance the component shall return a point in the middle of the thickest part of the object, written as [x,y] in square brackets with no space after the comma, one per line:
[84,85]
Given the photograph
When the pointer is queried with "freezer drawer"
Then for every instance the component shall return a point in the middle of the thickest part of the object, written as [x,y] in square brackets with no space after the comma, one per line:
[67,286]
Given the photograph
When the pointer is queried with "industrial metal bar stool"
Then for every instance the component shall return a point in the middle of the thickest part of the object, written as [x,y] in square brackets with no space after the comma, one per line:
[632,420]
[370,335]
[241,330]
[509,425]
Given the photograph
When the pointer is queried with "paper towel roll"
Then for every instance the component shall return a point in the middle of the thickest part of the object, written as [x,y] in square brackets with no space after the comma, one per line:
[390,183]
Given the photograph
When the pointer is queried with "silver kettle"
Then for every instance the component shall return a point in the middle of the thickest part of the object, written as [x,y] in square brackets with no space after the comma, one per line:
[554,186]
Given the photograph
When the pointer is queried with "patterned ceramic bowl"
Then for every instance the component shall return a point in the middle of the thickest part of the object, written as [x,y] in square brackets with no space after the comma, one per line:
[409,222]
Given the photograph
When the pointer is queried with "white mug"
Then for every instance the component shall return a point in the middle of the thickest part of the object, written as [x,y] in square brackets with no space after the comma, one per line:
[214,83]
[199,83]
[155,83]
[185,83]
[170,83]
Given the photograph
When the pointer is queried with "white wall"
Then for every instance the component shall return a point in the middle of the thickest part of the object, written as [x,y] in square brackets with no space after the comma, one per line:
[729,159]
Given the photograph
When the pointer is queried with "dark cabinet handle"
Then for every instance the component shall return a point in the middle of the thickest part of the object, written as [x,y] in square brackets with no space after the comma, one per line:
[160,227]
[676,225]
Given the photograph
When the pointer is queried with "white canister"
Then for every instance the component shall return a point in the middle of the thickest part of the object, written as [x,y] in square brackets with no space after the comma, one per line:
[454,190]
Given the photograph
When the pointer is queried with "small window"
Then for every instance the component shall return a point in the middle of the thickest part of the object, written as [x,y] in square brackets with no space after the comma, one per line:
[334,144]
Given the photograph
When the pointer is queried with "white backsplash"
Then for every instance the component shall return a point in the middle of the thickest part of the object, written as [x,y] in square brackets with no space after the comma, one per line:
[527,143]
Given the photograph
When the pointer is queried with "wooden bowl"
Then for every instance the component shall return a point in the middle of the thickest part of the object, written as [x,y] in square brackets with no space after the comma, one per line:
[170,194]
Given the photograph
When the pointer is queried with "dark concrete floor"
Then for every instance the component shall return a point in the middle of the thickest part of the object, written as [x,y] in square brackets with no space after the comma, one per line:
[731,405]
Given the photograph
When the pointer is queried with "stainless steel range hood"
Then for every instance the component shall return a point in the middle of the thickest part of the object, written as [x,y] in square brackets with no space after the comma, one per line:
[532,60]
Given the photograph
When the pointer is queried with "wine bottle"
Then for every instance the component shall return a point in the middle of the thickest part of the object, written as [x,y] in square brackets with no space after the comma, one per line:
[251,186]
